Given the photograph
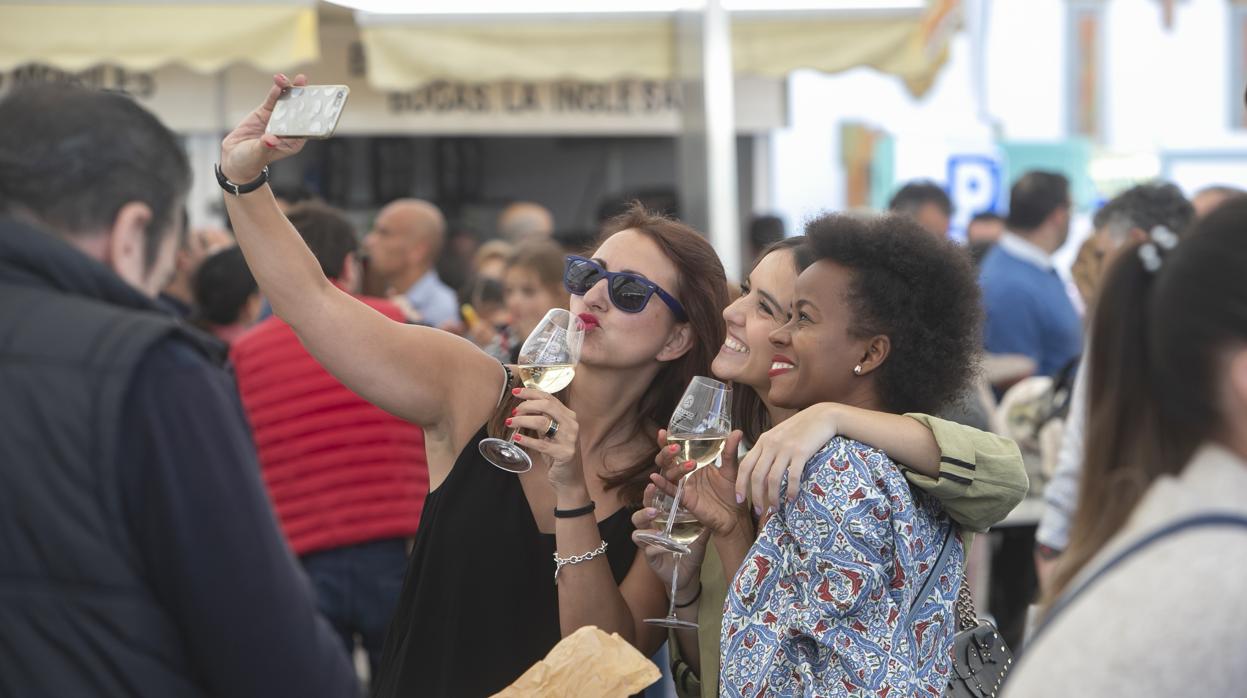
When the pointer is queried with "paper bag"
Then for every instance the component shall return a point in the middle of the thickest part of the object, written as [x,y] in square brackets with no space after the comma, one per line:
[586,664]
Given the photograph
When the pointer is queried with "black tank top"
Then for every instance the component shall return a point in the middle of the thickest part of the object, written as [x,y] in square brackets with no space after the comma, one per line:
[479,605]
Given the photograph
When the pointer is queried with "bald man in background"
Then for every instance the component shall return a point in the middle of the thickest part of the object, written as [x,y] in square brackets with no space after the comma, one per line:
[523,221]
[402,249]
[1208,198]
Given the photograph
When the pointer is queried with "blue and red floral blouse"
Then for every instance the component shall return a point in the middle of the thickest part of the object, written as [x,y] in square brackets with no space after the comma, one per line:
[819,607]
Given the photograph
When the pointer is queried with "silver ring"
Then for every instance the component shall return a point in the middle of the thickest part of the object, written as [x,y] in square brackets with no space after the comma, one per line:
[552,429]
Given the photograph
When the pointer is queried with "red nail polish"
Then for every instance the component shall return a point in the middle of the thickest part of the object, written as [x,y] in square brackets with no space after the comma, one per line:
[690,465]
[518,437]
[674,448]
[508,422]
[268,145]
[514,412]
[515,391]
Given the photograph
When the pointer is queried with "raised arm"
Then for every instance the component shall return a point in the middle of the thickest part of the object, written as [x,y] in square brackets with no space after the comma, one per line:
[427,376]
[978,477]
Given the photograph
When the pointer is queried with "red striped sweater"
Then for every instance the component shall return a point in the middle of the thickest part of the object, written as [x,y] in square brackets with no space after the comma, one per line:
[339,470]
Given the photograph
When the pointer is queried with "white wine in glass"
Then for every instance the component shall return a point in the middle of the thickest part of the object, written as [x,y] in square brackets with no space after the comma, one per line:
[702,449]
[699,428]
[549,378]
[547,362]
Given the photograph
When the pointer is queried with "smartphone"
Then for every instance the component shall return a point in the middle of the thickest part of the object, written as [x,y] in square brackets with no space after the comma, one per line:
[310,111]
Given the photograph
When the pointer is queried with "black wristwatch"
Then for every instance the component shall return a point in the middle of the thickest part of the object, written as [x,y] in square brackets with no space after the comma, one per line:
[238,189]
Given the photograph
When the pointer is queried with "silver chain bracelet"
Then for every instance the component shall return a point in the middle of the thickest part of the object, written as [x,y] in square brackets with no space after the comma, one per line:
[560,562]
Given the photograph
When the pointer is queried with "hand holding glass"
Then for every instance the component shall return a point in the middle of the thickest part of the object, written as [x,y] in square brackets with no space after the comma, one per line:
[547,362]
[686,529]
[699,428]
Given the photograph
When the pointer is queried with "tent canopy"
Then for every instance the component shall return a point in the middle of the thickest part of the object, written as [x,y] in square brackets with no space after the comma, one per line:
[404,52]
[204,36]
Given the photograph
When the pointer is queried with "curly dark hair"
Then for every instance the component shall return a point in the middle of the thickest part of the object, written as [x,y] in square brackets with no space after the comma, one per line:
[919,291]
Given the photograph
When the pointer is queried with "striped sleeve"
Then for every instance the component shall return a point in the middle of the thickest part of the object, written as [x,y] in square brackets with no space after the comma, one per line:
[982,477]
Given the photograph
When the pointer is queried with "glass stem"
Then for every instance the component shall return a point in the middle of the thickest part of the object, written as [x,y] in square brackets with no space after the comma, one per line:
[675,576]
[675,507]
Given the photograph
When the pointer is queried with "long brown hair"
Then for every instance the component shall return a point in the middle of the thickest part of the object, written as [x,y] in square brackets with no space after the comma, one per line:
[701,288]
[749,413]
[1155,374]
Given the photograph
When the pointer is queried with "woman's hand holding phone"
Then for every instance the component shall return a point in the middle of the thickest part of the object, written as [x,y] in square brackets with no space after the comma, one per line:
[247,150]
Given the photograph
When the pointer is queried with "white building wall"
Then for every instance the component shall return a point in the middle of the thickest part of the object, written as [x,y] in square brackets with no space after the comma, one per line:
[1166,99]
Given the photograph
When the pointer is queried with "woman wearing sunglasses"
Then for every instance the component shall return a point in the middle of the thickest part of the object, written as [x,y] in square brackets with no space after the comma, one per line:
[480,604]
[977,477]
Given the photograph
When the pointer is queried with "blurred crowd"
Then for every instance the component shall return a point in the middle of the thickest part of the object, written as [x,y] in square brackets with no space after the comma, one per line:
[135,441]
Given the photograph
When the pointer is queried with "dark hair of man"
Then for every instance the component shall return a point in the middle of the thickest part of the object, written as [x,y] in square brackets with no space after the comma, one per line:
[328,234]
[915,195]
[71,157]
[1156,372]
[221,288]
[749,413]
[765,230]
[1145,206]
[918,291]
[293,194]
[1034,197]
[986,217]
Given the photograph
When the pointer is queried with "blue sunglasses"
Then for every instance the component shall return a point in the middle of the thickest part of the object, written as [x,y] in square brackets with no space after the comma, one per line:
[629,292]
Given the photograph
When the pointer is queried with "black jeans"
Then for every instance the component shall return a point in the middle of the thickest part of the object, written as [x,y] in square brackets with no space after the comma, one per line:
[357,589]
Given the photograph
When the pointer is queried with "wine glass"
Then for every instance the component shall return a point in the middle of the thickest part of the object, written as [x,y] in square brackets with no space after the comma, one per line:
[547,362]
[699,427]
[685,530]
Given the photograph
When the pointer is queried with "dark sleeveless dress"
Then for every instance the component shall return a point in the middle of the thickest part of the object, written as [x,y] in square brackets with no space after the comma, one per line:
[479,605]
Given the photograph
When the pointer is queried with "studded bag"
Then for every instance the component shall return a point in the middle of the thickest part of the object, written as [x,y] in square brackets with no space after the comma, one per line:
[981,659]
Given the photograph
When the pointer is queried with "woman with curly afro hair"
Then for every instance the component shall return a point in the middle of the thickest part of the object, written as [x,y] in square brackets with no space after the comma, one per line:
[833,596]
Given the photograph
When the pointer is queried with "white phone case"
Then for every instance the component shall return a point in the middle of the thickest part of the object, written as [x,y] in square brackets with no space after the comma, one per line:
[310,111]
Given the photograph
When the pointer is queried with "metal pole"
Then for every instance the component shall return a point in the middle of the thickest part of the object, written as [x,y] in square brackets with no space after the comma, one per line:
[708,177]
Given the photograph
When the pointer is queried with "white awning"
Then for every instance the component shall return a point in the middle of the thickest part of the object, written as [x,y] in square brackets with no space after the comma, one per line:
[144,35]
[405,51]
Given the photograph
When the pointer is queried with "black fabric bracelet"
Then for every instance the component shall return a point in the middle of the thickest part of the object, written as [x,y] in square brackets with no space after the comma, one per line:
[240,189]
[692,600]
[573,513]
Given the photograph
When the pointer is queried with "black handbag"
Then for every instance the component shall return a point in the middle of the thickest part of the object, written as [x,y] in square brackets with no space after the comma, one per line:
[981,659]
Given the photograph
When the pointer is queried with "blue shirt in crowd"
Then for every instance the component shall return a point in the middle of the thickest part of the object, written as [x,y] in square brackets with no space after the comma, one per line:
[1028,309]
[435,301]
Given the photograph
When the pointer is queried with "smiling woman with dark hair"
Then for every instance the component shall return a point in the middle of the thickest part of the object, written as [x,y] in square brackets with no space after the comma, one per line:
[834,595]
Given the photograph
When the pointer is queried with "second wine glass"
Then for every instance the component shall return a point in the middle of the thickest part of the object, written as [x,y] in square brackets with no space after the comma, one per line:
[699,428]
[547,362]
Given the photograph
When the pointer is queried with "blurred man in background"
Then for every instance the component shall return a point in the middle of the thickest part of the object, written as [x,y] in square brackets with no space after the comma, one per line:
[138,551]
[403,247]
[763,231]
[1028,310]
[227,297]
[927,203]
[1208,198]
[201,242]
[525,221]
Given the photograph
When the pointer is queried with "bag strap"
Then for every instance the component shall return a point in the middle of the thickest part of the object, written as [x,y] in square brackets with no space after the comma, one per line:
[946,552]
[1201,521]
